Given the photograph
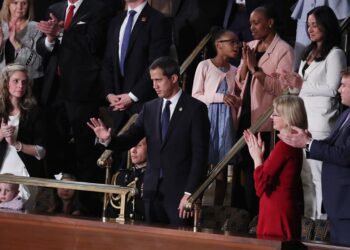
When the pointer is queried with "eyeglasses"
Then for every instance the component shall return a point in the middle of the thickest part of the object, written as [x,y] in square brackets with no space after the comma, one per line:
[232,42]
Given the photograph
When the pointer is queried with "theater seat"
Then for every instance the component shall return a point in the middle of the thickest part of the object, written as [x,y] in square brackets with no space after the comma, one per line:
[315,230]
[224,218]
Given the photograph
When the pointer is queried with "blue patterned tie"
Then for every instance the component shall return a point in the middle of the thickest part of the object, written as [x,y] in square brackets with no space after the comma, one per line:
[165,119]
[126,39]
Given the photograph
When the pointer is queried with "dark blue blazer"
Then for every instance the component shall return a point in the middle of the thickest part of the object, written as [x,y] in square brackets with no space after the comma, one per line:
[334,151]
[184,153]
[150,39]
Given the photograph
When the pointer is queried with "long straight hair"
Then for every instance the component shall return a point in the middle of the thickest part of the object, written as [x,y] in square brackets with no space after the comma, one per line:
[27,102]
[327,22]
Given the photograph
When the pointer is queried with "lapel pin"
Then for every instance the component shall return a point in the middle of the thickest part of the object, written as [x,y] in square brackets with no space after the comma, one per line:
[180,109]
[143,19]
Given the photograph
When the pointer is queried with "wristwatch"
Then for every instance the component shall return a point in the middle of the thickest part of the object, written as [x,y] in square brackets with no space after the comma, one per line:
[307,146]
[18,146]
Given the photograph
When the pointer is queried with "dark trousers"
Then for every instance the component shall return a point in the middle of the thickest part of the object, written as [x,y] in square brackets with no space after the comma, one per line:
[339,230]
[163,209]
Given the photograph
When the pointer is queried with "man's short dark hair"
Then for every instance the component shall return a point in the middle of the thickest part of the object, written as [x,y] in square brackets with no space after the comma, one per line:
[346,72]
[168,65]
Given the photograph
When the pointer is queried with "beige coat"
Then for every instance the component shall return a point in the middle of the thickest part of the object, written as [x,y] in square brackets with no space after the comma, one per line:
[277,58]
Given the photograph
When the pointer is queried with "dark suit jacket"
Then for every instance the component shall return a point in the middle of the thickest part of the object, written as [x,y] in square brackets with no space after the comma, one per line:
[150,39]
[31,130]
[334,151]
[40,8]
[79,56]
[192,20]
[182,156]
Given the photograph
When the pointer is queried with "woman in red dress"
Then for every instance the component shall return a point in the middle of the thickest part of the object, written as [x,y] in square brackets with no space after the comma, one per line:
[277,180]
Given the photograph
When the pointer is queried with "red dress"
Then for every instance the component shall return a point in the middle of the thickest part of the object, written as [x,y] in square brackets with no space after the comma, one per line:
[278,184]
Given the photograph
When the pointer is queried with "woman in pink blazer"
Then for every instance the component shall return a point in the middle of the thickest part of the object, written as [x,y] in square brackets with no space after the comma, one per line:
[263,60]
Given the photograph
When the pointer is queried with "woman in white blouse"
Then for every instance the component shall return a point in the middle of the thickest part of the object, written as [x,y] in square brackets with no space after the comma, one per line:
[319,78]
[22,131]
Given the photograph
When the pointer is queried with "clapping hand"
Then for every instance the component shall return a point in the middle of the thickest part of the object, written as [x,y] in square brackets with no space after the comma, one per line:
[296,137]
[12,35]
[291,80]
[7,132]
[100,129]
[250,58]
[51,28]
[256,147]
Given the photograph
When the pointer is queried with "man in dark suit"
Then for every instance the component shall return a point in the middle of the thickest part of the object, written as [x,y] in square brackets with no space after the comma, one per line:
[334,152]
[177,135]
[135,39]
[73,46]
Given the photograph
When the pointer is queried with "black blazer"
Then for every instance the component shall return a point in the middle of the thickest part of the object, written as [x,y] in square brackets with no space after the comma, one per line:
[80,54]
[150,39]
[184,153]
[31,130]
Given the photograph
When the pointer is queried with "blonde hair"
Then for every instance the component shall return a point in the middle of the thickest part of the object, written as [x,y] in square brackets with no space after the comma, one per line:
[5,14]
[27,102]
[292,110]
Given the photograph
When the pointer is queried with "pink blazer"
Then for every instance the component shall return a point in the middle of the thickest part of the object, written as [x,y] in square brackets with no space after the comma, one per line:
[206,82]
[277,58]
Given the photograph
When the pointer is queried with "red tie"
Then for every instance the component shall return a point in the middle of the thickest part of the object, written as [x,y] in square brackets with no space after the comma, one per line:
[69,16]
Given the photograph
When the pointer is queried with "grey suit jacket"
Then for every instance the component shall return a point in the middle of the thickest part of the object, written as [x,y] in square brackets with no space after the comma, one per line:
[27,55]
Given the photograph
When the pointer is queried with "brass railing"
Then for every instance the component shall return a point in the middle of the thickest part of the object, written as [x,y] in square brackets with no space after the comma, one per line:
[75,185]
[105,161]
[195,53]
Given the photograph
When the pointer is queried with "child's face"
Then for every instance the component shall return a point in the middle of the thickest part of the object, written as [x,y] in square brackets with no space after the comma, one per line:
[228,45]
[7,192]
[65,194]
